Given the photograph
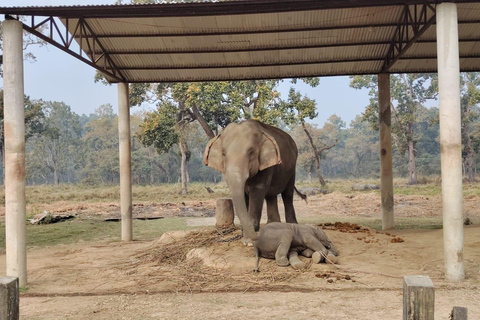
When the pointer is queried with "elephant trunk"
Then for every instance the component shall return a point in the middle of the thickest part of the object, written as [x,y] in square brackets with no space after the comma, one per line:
[236,183]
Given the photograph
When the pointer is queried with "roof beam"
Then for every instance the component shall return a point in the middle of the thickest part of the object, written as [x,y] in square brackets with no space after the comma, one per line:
[260,49]
[276,64]
[257,65]
[415,21]
[102,62]
[202,8]
[263,31]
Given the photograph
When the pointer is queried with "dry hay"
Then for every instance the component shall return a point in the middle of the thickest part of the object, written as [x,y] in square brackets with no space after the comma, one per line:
[169,262]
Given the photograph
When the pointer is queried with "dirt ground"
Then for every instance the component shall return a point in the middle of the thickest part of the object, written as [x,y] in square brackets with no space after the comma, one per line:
[207,274]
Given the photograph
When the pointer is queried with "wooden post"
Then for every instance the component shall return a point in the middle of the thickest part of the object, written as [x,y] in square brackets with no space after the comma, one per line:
[9,298]
[14,126]
[385,118]
[450,139]
[418,298]
[224,213]
[458,313]
[125,162]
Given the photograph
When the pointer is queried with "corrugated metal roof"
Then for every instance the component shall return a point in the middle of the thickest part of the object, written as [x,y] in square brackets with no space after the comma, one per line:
[257,39]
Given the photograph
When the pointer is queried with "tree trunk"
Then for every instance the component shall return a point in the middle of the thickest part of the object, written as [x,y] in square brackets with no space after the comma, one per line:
[316,154]
[183,166]
[469,162]
[203,123]
[411,157]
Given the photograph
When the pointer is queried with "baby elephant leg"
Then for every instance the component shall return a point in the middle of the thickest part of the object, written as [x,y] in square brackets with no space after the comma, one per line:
[283,249]
[319,250]
[295,262]
[307,253]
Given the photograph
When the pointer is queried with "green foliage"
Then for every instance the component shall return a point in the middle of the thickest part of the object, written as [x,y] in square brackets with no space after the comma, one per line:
[100,143]
[159,128]
[55,150]
[408,93]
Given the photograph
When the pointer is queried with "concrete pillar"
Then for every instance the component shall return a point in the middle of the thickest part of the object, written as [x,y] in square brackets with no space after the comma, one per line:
[450,139]
[385,119]
[125,161]
[14,124]
[9,298]
[418,298]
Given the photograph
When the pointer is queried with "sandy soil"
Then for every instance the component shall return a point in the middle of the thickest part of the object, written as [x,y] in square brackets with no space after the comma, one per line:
[152,280]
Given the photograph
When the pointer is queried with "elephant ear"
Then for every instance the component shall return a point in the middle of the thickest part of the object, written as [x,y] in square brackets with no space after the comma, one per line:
[269,152]
[213,154]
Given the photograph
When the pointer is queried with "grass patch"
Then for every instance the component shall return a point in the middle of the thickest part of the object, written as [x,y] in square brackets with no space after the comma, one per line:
[94,230]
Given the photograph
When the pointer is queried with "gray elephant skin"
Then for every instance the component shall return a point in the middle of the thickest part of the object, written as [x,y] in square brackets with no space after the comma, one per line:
[258,162]
[284,241]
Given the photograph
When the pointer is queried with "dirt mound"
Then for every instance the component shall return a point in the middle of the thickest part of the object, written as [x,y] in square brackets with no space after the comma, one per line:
[211,259]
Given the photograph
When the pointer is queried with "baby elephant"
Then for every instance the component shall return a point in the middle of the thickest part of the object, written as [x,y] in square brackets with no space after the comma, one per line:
[284,241]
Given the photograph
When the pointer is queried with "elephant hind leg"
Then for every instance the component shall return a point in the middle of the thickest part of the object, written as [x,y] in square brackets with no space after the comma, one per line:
[307,253]
[287,197]
[272,209]
[295,262]
[281,255]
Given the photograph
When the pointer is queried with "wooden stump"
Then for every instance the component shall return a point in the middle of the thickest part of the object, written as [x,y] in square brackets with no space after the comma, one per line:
[418,298]
[224,213]
[9,298]
[459,313]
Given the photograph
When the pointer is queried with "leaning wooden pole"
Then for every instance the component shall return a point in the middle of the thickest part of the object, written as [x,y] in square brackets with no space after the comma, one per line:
[450,139]
[14,126]
[385,117]
[125,161]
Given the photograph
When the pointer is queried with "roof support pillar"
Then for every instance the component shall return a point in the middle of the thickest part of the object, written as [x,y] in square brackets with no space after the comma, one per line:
[385,118]
[14,124]
[125,161]
[450,139]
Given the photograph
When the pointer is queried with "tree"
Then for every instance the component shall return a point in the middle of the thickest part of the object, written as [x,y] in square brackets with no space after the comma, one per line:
[362,143]
[101,147]
[34,119]
[470,97]
[165,127]
[55,149]
[295,110]
[409,91]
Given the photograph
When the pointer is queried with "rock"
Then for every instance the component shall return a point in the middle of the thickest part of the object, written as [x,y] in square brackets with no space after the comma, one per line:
[48,218]
[364,187]
[172,236]
[313,191]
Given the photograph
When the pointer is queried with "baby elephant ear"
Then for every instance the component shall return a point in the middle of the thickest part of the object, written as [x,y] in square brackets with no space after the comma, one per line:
[213,154]
[269,152]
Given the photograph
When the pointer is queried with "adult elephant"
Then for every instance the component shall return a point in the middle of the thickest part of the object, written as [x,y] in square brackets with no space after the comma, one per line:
[258,162]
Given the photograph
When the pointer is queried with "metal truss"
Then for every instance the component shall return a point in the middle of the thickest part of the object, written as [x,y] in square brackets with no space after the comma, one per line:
[416,19]
[57,34]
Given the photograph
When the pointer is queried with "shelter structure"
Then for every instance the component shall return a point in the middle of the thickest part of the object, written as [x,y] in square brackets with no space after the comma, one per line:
[251,39]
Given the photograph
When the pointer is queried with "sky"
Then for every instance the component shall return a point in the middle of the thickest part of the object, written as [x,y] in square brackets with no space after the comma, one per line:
[57,76]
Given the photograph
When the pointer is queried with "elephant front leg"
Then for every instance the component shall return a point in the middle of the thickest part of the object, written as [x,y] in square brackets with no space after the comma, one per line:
[320,256]
[272,209]
[295,261]
[255,205]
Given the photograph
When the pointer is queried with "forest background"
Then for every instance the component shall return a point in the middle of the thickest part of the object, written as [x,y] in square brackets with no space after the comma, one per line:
[168,142]
[65,147]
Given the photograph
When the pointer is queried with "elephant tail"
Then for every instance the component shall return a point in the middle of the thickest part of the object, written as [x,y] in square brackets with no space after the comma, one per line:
[257,258]
[301,195]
